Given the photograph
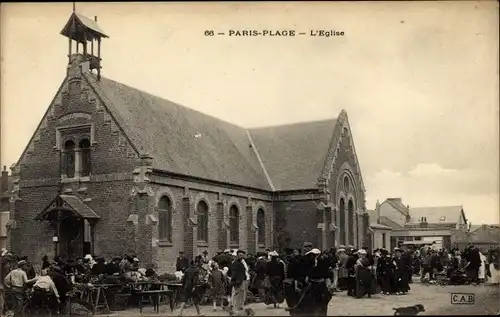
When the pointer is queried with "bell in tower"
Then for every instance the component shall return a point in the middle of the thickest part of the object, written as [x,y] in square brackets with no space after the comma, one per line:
[81,31]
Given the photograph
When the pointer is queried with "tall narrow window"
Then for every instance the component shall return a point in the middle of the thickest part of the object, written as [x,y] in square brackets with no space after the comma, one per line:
[234,224]
[69,159]
[350,220]
[165,219]
[85,156]
[202,211]
[261,224]
[342,221]
[383,241]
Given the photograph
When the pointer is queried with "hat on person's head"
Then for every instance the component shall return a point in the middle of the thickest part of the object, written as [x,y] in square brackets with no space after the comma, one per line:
[307,244]
[273,253]
[314,251]
[361,251]
[341,250]
[87,257]
[136,260]
[205,252]
[227,251]
[21,263]
[396,249]
[240,252]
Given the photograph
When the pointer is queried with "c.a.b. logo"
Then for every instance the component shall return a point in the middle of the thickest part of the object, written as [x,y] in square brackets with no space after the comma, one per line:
[463,299]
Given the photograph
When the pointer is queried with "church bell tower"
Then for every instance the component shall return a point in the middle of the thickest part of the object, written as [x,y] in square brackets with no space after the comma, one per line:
[84,41]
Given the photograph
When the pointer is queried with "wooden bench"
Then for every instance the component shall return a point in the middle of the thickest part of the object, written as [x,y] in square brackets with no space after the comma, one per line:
[156,303]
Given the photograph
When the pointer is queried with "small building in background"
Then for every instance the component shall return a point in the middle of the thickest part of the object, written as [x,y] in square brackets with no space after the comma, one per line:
[380,234]
[483,237]
[435,225]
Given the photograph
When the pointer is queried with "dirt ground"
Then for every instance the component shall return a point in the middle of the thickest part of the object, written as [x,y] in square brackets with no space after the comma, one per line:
[436,300]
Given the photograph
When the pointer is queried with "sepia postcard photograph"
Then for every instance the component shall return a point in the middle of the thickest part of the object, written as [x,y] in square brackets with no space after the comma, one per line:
[249,158]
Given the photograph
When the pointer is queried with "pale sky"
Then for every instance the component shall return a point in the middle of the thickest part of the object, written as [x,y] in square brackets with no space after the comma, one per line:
[419,81]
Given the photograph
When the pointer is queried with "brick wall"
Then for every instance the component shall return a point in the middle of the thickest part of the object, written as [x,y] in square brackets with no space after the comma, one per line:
[184,235]
[296,222]
[107,192]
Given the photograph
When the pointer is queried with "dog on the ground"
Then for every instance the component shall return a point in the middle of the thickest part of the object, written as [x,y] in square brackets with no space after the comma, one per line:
[409,310]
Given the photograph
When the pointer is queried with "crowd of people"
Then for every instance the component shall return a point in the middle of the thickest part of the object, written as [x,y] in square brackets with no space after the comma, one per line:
[306,279]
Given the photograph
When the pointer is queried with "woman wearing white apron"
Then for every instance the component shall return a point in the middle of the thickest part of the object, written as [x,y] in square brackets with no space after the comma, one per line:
[494,269]
[482,269]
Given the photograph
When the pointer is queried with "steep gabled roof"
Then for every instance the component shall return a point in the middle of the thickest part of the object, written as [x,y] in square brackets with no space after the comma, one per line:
[294,154]
[187,142]
[442,214]
[397,204]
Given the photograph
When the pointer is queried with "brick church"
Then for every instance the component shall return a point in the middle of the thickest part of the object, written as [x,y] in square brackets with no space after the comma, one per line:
[112,169]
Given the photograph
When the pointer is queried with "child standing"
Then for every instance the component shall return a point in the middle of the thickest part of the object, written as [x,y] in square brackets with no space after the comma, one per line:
[217,285]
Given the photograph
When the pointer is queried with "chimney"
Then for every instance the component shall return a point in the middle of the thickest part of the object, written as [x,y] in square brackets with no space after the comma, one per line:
[5,180]
[95,18]
[377,211]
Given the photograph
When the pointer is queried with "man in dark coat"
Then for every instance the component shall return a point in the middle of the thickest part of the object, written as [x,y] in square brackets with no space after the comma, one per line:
[62,284]
[239,280]
[294,282]
[401,273]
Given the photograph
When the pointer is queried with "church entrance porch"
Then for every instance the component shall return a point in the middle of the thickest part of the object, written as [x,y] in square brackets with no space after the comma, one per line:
[73,224]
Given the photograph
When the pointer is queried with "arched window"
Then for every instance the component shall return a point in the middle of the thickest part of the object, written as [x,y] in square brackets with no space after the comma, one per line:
[69,159]
[350,220]
[342,221]
[261,224]
[165,219]
[234,225]
[85,155]
[202,212]
[346,184]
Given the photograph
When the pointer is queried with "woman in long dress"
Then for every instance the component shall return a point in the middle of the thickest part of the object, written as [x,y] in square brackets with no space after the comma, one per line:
[494,267]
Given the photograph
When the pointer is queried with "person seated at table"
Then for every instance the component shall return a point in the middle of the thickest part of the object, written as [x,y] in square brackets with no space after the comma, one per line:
[113,267]
[100,266]
[45,291]
[135,264]
[150,272]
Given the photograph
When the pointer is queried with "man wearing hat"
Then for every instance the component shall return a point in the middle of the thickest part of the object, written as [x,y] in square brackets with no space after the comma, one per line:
[16,280]
[240,277]
[204,257]
[276,275]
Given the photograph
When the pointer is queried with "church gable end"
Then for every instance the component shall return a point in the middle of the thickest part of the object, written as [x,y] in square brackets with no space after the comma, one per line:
[77,121]
[344,187]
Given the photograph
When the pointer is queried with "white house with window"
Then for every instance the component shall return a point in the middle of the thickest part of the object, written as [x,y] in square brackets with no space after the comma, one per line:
[380,233]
